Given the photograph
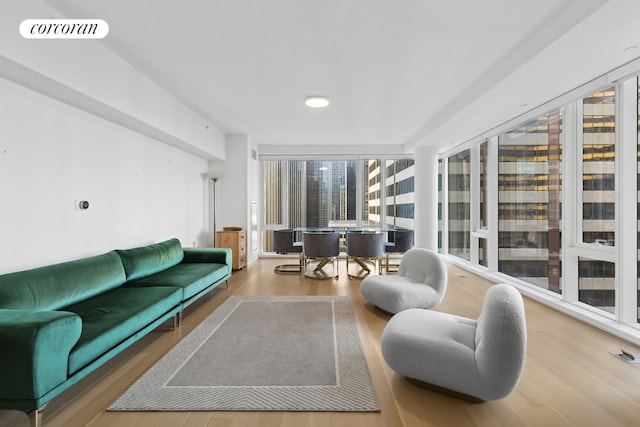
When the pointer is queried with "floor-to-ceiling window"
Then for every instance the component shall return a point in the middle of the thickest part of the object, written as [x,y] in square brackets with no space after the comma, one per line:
[551,203]
[482,224]
[335,193]
[399,193]
[566,204]
[272,189]
[596,278]
[529,195]
[598,168]
[374,191]
[330,194]
[458,206]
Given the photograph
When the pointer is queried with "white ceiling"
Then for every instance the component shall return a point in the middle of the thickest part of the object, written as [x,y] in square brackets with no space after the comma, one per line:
[398,72]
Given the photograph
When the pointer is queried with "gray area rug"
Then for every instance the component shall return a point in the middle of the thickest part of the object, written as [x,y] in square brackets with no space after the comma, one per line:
[284,353]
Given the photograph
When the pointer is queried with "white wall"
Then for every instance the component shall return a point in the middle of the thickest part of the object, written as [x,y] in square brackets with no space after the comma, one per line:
[140,191]
[255,195]
[78,122]
[238,187]
[89,73]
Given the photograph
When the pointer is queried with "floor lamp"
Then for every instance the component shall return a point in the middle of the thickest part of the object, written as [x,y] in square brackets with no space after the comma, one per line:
[214,180]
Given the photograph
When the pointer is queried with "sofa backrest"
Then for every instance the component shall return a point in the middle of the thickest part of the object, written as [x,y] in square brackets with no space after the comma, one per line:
[147,260]
[56,286]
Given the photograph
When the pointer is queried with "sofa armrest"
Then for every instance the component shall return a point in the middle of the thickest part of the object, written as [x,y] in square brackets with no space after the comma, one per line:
[213,255]
[35,351]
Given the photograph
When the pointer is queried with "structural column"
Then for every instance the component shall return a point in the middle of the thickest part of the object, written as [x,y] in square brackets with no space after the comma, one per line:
[426,198]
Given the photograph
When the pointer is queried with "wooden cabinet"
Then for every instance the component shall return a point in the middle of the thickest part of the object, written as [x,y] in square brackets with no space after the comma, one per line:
[237,241]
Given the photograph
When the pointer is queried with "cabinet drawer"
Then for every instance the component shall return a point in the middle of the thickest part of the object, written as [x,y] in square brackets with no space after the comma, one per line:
[237,242]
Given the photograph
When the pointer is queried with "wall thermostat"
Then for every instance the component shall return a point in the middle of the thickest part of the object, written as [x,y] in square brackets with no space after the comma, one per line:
[83,204]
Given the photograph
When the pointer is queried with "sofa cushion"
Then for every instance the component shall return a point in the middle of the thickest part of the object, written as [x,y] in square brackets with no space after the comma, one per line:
[110,318]
[147,260]
[191,277]
[56,286]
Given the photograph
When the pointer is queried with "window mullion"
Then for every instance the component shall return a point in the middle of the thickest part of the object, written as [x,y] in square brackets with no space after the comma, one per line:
[285,192]
[445,205]
[571,178]
[492,204]
[626,202]
[474,202]
[359,191]
[383,192]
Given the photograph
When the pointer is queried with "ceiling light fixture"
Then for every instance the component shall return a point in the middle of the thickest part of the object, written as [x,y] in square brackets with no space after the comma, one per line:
[317,101]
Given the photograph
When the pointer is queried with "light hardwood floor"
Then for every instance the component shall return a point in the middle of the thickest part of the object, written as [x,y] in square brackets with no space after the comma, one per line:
[569,379]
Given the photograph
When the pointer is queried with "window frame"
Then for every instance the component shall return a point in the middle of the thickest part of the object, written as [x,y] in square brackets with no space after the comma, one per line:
[626,252]
[361,167]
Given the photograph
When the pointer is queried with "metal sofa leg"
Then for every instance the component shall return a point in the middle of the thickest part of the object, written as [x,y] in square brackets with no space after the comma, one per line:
[35,417]
[177,320]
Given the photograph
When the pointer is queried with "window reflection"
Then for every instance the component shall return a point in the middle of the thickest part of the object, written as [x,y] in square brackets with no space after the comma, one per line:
[459,191]
[399,190]
[596,283]
[529,195]
[484,164]
[598,155]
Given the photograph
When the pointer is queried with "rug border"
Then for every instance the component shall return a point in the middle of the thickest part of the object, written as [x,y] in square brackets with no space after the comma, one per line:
[355,394]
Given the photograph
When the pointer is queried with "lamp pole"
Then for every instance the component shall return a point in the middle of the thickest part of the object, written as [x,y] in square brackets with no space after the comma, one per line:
[214,210]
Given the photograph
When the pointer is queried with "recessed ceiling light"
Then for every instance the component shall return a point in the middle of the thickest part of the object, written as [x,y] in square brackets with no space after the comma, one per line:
[317,101]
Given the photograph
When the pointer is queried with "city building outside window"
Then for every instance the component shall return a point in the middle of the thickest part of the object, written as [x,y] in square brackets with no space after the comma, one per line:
[320,194]
[458,204]
[529,195]
[596,278]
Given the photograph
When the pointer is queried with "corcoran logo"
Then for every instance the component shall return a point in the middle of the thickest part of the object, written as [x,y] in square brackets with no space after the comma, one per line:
[64,29]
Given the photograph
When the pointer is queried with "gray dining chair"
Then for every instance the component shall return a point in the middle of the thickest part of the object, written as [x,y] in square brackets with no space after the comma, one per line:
[399,241]
[284,243]
[365,249]
[320,250]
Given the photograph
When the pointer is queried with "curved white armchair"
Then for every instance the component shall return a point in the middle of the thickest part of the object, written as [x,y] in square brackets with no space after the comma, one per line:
[476,360]
[421,282]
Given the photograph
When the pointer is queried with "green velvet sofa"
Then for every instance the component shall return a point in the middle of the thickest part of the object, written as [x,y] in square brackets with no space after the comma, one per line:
[60,322]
